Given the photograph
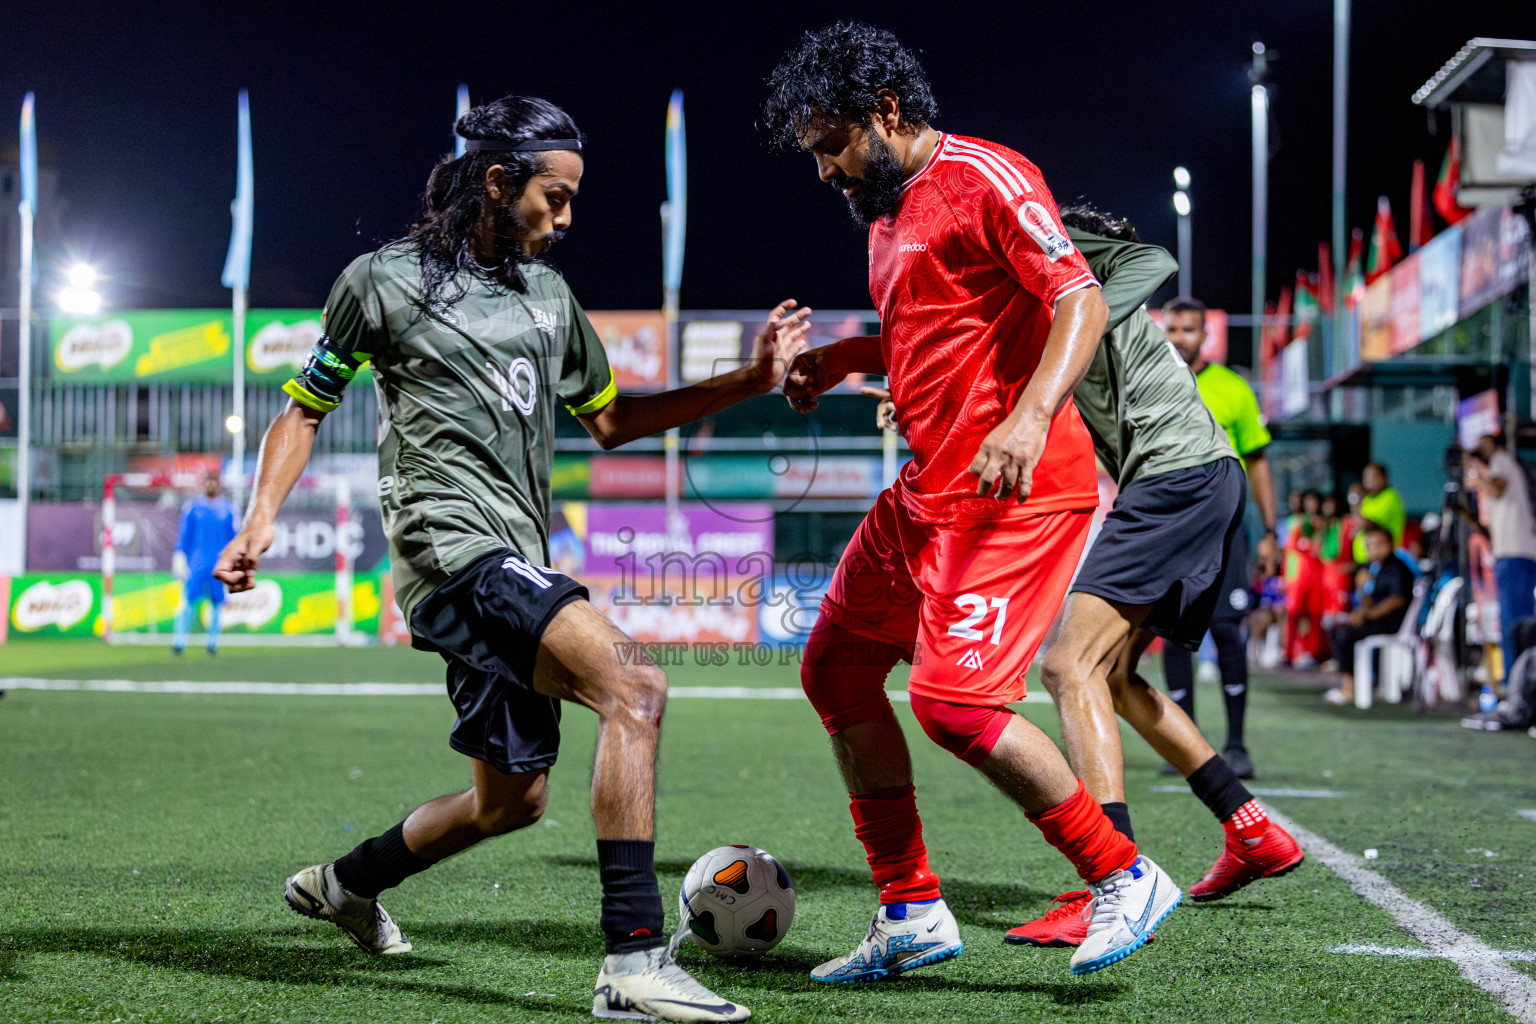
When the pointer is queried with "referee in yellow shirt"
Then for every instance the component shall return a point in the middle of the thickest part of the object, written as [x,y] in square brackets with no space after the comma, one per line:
[1232,402]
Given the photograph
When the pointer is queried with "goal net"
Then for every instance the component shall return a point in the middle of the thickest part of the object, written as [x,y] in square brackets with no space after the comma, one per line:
[306,593]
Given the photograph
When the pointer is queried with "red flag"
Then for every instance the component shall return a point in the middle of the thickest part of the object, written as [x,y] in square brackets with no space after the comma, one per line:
[1354,276]
[1446,185]
[1306,305]
[1325,278]
[1419,227]
[1385,248]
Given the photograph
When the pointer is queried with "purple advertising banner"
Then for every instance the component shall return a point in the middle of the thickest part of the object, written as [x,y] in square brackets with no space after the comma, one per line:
[66,537]
[621,537]
[1495,252]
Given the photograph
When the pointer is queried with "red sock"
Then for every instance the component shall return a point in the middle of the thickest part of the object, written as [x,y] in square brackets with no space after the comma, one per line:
[886,822]
[1247,823]
[1079,828]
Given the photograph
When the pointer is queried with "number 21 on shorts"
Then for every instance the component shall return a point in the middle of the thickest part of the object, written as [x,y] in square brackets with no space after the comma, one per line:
[979,606]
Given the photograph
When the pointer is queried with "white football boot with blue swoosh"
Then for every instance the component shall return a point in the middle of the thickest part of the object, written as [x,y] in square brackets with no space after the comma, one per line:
[901,936]
[1126,907]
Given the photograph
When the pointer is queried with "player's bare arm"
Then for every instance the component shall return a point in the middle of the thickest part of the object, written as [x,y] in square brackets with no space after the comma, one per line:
[817,371]
[778,342]
[1005,463]
[1263,482]
[285,452]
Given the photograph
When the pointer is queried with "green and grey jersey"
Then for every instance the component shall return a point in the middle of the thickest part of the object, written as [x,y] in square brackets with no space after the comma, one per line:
[1139,397]
[467,397]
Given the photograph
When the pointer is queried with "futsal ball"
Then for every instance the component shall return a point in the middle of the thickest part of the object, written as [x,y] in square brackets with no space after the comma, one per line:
[737,902]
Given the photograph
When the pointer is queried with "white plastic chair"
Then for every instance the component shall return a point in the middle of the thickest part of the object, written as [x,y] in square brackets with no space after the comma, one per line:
[1397,661]
[1438,651]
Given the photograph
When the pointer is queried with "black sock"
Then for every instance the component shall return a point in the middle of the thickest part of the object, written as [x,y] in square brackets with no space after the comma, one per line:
[1119,816]
[380,863]
[1179,677]
[1219,788]
[632,915]
[1232,658]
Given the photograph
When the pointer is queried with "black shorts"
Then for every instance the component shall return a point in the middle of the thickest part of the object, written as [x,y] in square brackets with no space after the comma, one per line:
[1167,543]
[486,621]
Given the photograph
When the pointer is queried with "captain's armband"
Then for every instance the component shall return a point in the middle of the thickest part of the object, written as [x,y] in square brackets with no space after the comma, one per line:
[326,374]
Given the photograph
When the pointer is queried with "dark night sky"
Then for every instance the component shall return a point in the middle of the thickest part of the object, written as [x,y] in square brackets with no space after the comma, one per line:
[352,104]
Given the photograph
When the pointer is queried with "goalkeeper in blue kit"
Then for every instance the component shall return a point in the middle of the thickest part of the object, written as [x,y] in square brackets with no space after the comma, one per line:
[208,522]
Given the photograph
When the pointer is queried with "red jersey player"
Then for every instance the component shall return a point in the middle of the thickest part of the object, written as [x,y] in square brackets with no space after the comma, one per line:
[989,316]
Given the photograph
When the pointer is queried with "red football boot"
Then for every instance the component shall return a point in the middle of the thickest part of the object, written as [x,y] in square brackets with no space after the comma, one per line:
[1273,854]
[1065,924]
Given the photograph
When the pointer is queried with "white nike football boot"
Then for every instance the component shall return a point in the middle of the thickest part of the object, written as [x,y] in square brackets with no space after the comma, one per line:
[1126,907]
[648,984]
[902,936]
[314,892]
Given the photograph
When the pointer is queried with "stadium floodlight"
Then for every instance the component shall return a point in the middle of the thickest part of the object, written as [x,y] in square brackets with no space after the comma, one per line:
[234,424]
[80,297]
[1181,178]
[1181,203]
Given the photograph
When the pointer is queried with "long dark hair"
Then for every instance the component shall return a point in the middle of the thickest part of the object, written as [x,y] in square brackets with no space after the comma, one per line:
[455,197]
[1086,217]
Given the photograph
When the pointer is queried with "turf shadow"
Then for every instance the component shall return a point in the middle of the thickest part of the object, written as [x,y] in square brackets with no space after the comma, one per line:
[263,956]
[975,903]
[786,969]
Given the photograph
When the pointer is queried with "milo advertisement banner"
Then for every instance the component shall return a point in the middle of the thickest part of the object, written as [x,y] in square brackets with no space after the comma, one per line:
[61,604]
[180,346]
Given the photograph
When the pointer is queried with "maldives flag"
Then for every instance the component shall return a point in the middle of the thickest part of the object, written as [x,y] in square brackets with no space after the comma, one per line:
[1354,279]
[1306,305]
[1325,278]
[1385,248]
[1446,185]
[1419,229]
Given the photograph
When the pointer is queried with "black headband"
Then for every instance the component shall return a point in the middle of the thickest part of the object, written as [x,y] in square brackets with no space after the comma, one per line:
[526,146]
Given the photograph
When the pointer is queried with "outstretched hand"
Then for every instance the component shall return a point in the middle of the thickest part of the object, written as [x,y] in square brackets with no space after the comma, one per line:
[236,567]
[778,342]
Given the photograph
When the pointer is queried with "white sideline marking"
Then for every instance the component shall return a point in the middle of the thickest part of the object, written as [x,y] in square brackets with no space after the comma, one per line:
[1314,794]
[1368,949]
[1528,815]
[1477,963]
[386,689]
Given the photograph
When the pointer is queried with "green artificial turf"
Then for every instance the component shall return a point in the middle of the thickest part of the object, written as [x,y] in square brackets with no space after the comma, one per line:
[144,840]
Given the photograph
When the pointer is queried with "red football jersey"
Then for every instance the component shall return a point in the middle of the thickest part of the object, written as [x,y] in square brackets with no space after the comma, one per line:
[965,276]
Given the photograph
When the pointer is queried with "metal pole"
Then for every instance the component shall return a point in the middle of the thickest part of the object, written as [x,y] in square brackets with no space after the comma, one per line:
[28,213]
[1185,271]
[1340,152]
[239,402]
[673,440]
[1260,103]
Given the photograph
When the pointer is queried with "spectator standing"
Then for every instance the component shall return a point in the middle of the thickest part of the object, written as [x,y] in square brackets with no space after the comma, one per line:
[1386,593]
[208,522]
[1512,532]
[1379,504]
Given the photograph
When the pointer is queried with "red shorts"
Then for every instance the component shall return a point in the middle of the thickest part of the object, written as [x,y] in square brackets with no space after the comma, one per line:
[968,602]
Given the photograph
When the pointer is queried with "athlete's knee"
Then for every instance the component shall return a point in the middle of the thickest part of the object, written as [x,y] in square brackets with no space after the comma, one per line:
[1227,633]
[843,675]
[843,696]
[1124,685]
[633,694]
[1062,669]
[498,816]
[965,730]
